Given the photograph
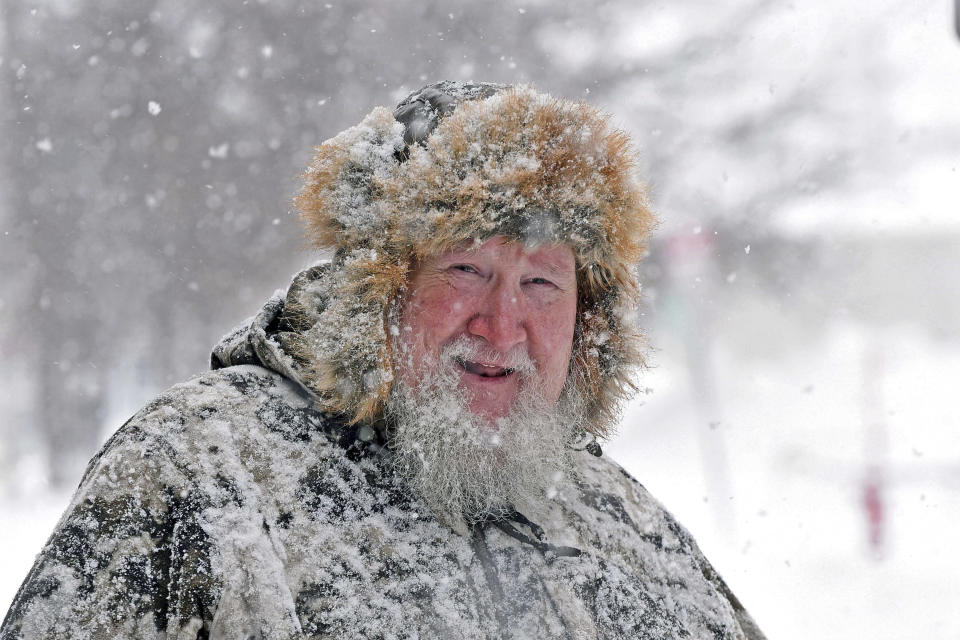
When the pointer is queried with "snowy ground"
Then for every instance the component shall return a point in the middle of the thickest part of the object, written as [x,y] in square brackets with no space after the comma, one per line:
[777,500]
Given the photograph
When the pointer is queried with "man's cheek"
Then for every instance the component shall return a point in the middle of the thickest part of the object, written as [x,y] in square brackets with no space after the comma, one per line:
[557,337]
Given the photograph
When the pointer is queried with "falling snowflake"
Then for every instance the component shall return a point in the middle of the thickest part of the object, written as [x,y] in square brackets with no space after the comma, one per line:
[220,151]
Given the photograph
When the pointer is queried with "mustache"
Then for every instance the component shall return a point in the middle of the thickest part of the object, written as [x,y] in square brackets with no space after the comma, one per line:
[478,351]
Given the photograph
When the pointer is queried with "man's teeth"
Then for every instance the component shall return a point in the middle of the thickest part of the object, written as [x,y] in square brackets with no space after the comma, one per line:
[485,370]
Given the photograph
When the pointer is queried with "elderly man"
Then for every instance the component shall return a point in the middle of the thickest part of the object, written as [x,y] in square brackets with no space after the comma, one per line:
[402,445]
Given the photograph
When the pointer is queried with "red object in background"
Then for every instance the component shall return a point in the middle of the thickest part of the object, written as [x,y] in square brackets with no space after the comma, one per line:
[873,504]
[681,247]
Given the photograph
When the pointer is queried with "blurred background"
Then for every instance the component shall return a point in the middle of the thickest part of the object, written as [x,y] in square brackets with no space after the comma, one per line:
[799,415]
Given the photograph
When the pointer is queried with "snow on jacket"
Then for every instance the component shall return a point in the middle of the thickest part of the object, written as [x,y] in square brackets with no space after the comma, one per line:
[231,507]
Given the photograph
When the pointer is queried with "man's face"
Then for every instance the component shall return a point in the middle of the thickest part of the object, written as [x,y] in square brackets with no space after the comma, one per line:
[508,304]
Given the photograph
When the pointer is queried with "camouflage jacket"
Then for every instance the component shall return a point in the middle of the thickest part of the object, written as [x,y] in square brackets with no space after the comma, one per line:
[229,507]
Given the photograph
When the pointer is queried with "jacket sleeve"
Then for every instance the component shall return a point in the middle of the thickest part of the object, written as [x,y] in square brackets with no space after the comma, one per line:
[128,559]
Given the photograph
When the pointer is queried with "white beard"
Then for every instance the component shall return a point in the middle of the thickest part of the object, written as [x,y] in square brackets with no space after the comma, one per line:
[461,465]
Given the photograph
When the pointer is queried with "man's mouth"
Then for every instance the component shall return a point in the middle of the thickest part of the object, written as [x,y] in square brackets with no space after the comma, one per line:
[484,370]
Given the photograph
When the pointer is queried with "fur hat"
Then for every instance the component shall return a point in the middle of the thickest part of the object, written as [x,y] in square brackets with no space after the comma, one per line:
[456,162]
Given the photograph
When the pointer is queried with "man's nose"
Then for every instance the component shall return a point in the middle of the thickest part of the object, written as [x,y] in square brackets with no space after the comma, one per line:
[501,318]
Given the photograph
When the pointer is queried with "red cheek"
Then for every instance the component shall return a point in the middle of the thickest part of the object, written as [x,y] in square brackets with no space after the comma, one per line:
[436,315]
[436,310]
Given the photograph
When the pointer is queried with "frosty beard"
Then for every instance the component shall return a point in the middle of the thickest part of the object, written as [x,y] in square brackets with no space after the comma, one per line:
[459,463]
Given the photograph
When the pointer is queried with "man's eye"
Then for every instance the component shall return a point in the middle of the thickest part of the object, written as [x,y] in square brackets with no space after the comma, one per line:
[539,281]
[464,267]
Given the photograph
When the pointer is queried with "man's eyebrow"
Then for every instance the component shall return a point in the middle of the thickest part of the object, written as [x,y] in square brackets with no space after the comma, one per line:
[456,256]
[552,266]
[557,270]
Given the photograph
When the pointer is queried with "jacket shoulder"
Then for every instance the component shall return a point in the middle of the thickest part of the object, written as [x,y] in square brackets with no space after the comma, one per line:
[237,399]
[138,550]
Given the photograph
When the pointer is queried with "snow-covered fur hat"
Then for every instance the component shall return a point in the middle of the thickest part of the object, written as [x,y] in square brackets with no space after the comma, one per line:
[456,162]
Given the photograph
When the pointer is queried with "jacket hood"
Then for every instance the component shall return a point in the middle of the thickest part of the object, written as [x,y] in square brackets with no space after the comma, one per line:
[457,162]
[265,338]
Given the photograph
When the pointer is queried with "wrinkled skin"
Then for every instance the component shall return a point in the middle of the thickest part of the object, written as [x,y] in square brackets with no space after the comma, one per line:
[507,297]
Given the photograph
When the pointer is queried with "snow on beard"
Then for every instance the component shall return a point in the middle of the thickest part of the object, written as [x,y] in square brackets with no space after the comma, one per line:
[460,464]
